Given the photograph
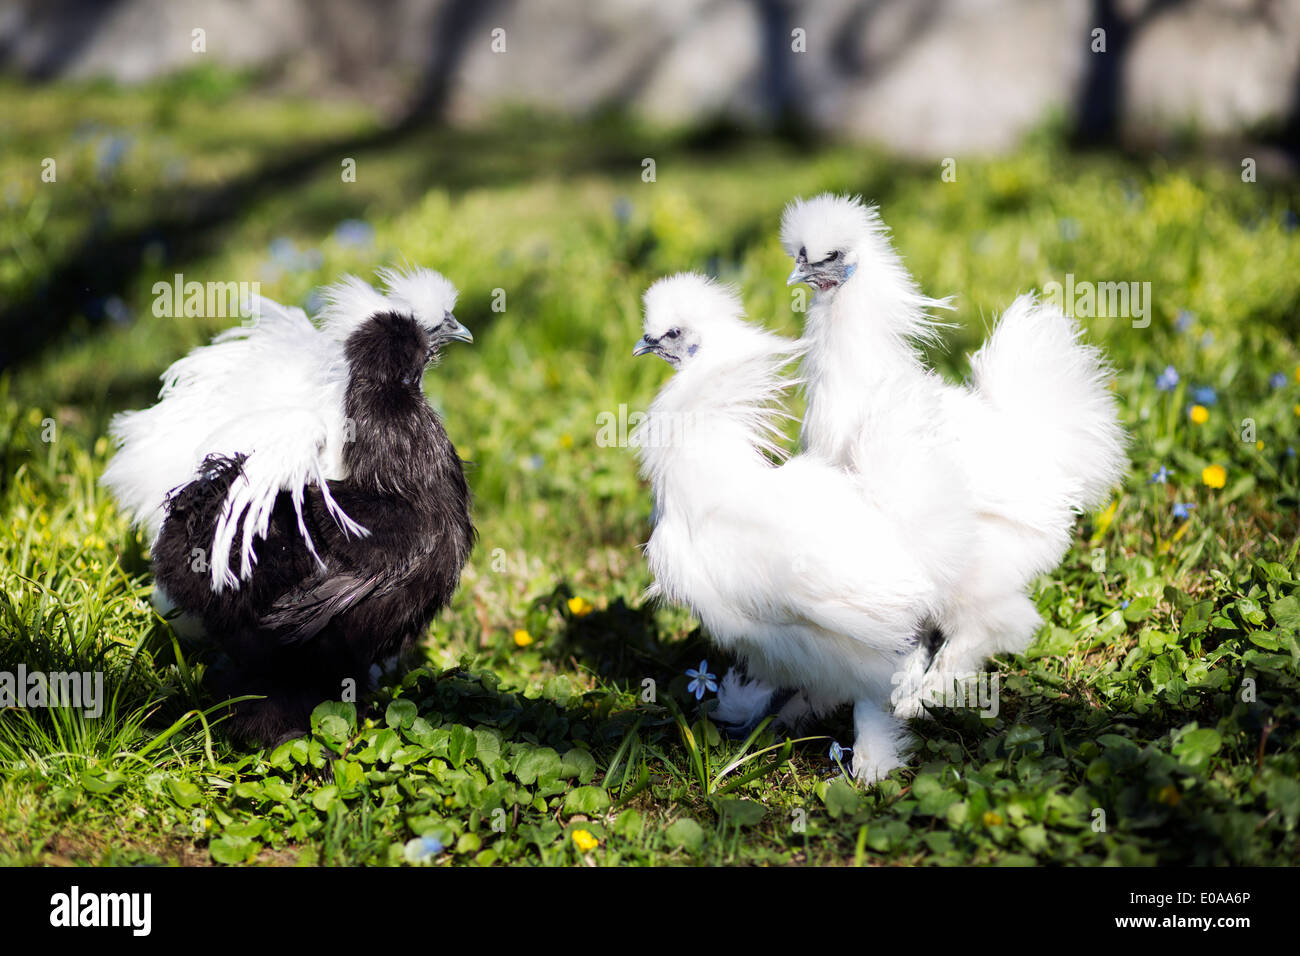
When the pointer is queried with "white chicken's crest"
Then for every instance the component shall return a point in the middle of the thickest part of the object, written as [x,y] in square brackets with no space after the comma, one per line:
[689,296]
[423,293]
[826,223]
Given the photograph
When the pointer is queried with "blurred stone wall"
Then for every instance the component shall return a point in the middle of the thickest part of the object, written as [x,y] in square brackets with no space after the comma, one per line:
[921,76]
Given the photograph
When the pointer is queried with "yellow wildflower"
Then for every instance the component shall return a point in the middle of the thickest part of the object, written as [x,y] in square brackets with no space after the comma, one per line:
[992,819]
[1104,518]
[523,638]
[1200,414]
[584,841]
[1216,476]
[580,606]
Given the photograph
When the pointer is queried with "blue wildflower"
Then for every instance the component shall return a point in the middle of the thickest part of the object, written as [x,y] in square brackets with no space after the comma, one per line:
[1184,320]
[701,680]
[1167,380]
[1277,380]
[117,311]
[286,255]
[1161,477]
[1123,605]
[837,752]
[284,251]
[354,232]
[427,848]
[1205,395]
[110,154]
[1181,511]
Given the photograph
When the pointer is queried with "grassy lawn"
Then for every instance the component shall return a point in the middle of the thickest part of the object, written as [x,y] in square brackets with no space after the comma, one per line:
[1154,720]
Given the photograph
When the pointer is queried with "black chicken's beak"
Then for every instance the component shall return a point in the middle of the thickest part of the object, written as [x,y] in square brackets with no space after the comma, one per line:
[453,331]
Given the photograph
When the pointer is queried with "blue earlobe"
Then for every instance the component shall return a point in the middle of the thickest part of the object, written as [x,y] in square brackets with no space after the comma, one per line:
[691,350]
[850,269]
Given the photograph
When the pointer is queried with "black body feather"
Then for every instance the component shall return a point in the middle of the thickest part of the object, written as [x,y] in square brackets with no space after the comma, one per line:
[298,630]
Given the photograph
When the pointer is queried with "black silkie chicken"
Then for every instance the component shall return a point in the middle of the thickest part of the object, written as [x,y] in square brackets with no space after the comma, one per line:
[322,471]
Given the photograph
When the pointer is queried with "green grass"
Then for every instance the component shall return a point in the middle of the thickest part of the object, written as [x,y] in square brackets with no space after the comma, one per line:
[1174,715]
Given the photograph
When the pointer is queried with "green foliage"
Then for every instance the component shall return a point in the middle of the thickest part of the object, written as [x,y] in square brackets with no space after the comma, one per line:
[1153,721]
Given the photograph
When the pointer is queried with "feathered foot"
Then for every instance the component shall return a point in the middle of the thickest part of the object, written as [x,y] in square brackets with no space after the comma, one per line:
[880,743]
[1003,624]
[742,703]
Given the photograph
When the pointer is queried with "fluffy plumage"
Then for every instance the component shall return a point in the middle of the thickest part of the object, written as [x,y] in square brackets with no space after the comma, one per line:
[988,477]
[787,566]
[308,513]
[216,401]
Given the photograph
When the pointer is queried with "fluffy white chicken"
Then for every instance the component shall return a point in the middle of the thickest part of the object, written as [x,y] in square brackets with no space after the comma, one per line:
[987,478]
[789,567]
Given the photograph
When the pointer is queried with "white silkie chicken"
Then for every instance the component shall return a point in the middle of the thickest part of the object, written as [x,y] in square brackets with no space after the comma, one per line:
[987,478]
[788,567]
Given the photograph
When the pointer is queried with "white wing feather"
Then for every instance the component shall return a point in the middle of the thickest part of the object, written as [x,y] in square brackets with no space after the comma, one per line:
[272,391]
[840,567]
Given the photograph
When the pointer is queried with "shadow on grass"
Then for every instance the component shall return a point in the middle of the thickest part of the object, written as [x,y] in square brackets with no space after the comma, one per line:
[189,224]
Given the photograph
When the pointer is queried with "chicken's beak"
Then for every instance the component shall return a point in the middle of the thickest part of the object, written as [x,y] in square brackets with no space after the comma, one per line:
[455,332]
[643,346]
[800,274]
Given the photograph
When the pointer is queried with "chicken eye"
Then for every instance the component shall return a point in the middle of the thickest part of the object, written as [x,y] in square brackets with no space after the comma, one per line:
[833,256]
[672,333]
